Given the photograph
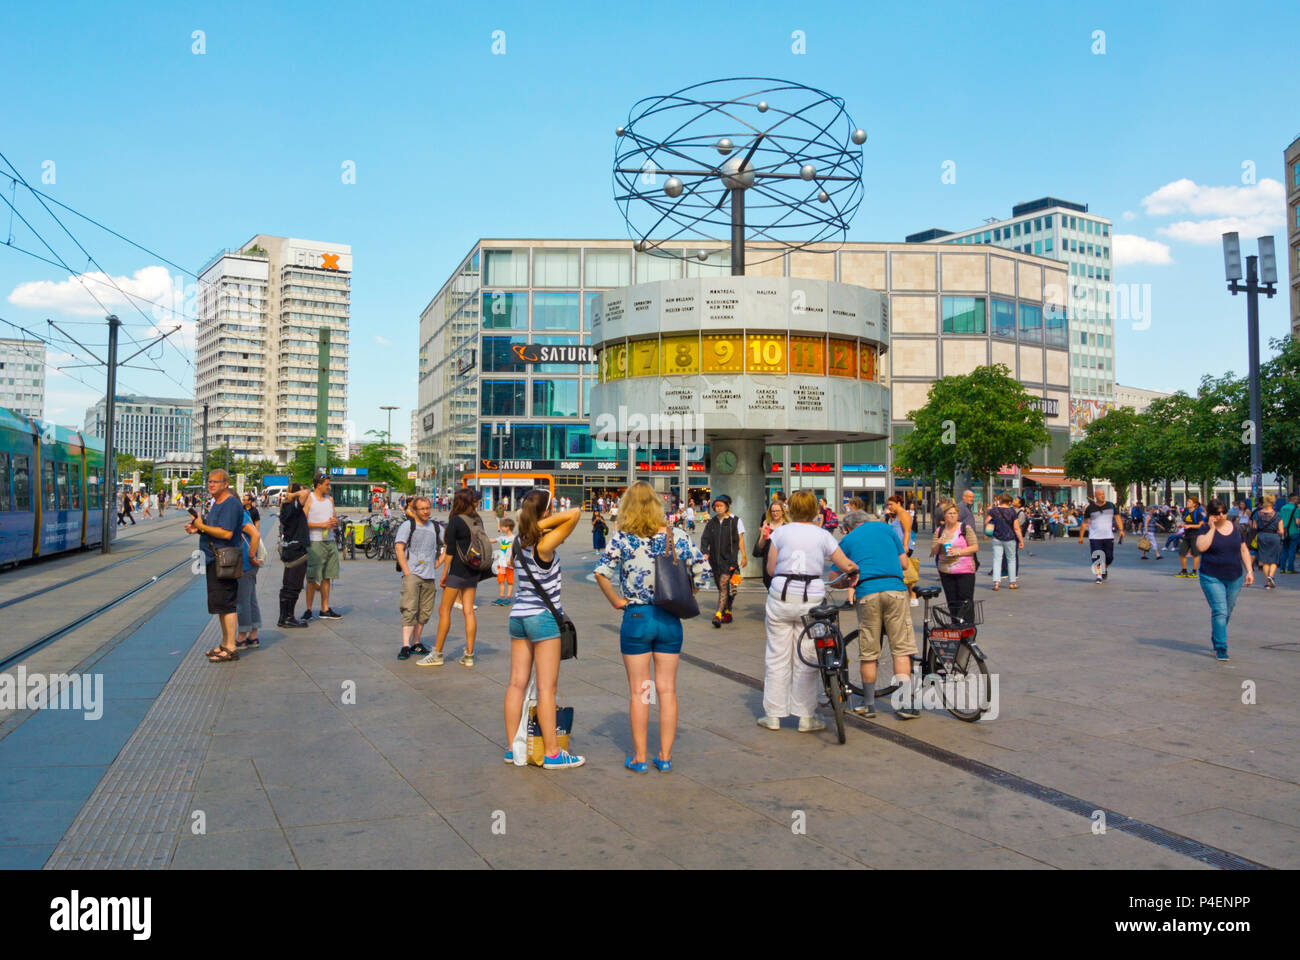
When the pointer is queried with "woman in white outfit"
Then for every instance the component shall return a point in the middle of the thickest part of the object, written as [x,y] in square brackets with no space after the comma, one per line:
[796,558]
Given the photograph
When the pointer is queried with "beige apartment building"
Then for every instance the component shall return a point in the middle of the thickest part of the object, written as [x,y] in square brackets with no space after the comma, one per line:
[950,310]
[261,307]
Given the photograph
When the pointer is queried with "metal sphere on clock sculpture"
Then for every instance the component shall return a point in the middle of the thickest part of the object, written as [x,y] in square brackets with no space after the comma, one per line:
[784,160]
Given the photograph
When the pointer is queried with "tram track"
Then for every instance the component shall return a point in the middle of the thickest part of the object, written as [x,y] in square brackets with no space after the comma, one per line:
[28,649]
[92,573]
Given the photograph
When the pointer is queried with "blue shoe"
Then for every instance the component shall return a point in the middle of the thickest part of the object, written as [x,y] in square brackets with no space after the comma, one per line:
[510,756]
[1222,655]
[562,761]
[642,767]
[663,766]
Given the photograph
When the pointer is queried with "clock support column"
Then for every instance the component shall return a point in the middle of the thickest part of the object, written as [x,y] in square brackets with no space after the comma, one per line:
[745,485]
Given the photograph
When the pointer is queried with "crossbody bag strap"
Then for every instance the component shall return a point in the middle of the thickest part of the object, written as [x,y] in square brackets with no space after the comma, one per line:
[516,552]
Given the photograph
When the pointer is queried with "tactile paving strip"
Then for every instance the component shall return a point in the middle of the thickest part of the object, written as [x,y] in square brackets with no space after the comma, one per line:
[134,818]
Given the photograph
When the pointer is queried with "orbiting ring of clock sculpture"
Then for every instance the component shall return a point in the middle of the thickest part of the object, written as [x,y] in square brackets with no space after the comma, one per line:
[738,362]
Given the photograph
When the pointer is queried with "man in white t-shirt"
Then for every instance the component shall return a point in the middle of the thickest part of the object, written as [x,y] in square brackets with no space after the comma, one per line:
[322,551]
[1100,526]
[796,557]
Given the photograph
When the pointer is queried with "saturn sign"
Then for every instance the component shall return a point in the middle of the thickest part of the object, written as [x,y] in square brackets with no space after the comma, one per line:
[537,353]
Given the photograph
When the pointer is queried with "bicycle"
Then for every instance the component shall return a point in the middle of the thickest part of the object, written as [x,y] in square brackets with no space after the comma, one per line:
[376,534]
[948,653]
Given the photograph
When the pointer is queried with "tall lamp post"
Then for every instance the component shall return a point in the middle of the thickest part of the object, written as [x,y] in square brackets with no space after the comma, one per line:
[500,431]
[1261,277]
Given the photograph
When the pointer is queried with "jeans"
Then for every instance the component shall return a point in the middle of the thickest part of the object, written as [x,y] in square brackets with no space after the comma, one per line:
[1222,597]
[1289,545]
[250,614]
[999,546]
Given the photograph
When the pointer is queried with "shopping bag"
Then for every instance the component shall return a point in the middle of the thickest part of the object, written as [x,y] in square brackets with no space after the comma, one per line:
[563,727]
[519,746]
[913,574]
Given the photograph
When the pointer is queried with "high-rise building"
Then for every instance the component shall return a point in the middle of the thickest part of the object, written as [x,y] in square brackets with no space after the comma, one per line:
[261,308]
[22,376]
[148,428]
[950,311]
[1064,231]
[1291,159]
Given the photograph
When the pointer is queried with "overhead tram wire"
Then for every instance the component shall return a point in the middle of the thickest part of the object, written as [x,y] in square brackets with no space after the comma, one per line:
[90,257]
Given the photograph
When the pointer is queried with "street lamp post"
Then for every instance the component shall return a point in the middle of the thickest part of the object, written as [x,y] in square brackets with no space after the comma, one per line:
[1261,277]
[500,431]
[388,434]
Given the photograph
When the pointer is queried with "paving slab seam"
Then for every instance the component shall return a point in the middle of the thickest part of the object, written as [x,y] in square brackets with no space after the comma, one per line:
[135,815]
[1204,853]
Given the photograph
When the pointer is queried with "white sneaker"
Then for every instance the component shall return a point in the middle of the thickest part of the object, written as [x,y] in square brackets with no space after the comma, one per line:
[810,725]
[433,659]
[466,660]
[459,607]
[770,723]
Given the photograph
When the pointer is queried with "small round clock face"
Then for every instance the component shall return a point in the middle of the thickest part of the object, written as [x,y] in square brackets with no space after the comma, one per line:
[726,461]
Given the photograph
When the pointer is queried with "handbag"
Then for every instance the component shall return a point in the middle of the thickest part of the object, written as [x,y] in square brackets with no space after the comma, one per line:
[1144,543]
[519,745]
[674,586]
[229,562]
[568,632]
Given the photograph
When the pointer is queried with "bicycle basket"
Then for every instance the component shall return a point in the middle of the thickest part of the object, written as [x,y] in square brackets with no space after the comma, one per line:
[822,629]
[944,617]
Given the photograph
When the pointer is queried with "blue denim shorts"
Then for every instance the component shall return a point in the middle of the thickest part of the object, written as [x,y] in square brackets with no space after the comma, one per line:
[648,629]
[540,626]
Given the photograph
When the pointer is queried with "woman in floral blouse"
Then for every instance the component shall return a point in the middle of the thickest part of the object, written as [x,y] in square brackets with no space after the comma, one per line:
[647,630]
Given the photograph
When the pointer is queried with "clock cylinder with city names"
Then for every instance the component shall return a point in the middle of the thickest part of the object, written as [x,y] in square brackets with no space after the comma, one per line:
[786,359]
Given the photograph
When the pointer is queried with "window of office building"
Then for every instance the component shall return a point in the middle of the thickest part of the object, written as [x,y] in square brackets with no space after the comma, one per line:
[555,398]
[1038,223]
[502,398]
[1031,323]
[586,396]
[608,268]
[498,357]
[589,305]
[506,268]
[568,441]
[650,267]
[1004,319]
[1055,334]
[505,311]
[1015,228]
[1047,245]
[1047,222]
[1038,246]
[963,315]
[556,311]
[555,268]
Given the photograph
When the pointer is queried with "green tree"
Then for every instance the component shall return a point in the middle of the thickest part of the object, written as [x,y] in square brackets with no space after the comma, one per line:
[1279,402]
[302,466]
[260,468]
[382,460]
[977,422]
[1111,450]
[1188,434]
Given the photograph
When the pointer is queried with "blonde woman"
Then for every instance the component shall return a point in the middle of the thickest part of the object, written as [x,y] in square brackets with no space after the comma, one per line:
[776,516]
[647,631]
[795,560]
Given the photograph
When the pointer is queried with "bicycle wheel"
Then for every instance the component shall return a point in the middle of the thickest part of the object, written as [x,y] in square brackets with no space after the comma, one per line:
[838,696]
[372,549]
[965,686]
[885,684]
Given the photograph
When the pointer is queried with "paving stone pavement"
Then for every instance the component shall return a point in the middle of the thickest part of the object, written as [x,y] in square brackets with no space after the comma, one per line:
[1107,693]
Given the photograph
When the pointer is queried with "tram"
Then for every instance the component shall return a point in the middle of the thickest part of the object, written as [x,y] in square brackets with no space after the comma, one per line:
[51,489]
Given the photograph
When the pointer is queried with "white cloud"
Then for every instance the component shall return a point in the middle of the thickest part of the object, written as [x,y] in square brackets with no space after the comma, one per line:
[72,296]
[1128,248]
[1129,215]
[1210,232]
[1187,196]
[383,341]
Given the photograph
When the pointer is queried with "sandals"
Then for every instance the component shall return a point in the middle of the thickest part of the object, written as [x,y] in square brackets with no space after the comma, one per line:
[250,642]
[635,767]
[1013,586]
[663,766]
[222,655]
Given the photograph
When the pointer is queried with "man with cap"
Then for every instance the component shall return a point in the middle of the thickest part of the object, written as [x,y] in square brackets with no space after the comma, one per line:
[723,542]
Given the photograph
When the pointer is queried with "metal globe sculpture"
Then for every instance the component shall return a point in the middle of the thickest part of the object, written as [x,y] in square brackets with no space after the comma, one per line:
[747,158]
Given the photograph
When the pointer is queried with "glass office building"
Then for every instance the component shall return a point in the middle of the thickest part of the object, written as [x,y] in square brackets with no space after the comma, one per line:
[950,311]
[1065,231]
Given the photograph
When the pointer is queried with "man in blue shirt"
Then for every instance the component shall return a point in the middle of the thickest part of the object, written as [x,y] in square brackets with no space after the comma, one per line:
[883,607]
[218,529]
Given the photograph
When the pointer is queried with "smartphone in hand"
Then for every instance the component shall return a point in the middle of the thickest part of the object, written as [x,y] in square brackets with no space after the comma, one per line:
[193,513]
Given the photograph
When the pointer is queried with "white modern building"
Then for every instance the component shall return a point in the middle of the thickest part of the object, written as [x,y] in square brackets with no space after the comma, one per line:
[145,427]
[261,308]
[1064,231]
[1136,397]
[22,376]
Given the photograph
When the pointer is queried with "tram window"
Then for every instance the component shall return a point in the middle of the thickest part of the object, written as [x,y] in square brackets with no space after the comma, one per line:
[48,490]
[5,505]
[74,482]
[93,499]
[61,471]
[22,484]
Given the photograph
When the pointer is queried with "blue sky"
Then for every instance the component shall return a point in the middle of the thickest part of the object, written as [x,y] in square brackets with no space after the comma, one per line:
[189,153]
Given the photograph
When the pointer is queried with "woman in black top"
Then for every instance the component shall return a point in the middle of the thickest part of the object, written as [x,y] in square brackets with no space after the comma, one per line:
[1223,555]
[459,581]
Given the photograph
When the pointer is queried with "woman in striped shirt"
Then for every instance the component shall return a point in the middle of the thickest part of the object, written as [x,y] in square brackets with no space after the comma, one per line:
[534,634]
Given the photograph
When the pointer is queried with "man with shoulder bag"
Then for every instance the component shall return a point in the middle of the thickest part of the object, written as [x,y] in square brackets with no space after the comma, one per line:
[223,560]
